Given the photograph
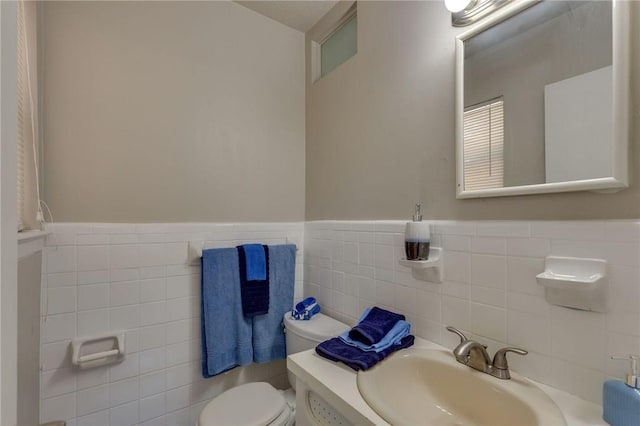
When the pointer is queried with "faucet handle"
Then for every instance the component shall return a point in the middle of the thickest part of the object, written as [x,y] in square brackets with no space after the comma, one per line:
[500,358]
[460,334]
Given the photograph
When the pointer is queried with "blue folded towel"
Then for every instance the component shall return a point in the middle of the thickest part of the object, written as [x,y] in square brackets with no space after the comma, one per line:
[306,309]
[393,337]
[226,333]
[337,350]
[268,331]
[256,266]
[374,326]
[306,314]
[302,306]
[254,293]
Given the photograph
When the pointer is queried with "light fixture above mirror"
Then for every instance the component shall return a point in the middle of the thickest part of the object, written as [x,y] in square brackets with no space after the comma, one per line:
[466,12]
[454,6]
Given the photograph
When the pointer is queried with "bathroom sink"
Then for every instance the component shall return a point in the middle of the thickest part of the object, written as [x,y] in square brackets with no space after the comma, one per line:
[420,386]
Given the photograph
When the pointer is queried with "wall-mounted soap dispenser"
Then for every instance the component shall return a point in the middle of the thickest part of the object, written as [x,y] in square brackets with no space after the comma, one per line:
[621,400]
[417,237]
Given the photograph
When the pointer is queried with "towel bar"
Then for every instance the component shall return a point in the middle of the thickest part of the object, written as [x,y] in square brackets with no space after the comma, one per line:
[195,247]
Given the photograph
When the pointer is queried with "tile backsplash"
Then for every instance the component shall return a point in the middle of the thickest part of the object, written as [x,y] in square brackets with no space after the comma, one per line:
[489,290]
[110,277]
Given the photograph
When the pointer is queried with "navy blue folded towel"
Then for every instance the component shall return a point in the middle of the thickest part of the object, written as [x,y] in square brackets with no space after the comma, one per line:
[372,328]
[337,350]
[254,292]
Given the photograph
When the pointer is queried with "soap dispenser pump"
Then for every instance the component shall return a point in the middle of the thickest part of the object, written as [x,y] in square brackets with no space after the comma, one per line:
[417,237]
[621,400]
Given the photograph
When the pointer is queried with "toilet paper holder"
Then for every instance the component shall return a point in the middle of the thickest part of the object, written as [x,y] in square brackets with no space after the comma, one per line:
[96,351]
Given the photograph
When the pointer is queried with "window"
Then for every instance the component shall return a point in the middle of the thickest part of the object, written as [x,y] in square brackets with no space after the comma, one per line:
[334,39]
[339,46]
[484,145]
[26,135]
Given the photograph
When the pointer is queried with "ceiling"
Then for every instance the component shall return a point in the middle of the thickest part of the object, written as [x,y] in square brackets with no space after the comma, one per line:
[300,15]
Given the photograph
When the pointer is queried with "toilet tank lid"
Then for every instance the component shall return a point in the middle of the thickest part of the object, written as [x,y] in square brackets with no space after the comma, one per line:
[319,328]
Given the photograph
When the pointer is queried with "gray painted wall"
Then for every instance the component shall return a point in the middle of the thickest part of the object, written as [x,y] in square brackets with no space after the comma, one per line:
[171,112]
[153,113]
[380,129]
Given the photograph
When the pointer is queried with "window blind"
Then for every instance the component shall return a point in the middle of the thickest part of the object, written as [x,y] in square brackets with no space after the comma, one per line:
[23,111]
[483,153]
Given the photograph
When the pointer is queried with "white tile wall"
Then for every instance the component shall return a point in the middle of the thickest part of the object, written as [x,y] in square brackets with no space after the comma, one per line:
[110,277]
[490,290]
[101,277]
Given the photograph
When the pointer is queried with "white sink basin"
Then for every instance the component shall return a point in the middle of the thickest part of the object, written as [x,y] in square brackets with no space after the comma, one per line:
[428,387]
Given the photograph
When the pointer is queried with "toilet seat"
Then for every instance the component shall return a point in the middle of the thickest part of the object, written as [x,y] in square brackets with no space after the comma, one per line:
[250,404]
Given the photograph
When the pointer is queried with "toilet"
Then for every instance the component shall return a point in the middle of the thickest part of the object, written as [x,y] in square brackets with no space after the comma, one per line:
[260,404]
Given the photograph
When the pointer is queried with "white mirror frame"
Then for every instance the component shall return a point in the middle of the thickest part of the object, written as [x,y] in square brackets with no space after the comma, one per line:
[621,110]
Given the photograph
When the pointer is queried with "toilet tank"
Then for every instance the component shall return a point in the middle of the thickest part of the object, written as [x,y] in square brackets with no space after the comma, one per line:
[302,335]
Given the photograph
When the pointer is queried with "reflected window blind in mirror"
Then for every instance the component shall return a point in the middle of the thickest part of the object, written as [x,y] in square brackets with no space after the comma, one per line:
[484,145]
[23,111]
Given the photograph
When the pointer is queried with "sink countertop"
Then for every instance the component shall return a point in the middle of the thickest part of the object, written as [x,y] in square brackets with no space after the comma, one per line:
[336,383]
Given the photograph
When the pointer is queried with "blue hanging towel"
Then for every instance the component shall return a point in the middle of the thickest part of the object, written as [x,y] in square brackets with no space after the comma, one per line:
[254,279]
[226,332]
[268,331]
[256,261]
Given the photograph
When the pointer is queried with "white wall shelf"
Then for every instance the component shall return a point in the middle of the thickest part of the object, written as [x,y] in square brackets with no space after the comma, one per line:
[30,242]
[575,283]
[427,270]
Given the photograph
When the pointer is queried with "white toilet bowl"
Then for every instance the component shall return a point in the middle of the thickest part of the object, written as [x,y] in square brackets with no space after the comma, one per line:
[249,404]
[260,404]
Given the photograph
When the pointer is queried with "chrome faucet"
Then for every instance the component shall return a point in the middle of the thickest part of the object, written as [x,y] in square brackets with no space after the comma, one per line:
[475,355]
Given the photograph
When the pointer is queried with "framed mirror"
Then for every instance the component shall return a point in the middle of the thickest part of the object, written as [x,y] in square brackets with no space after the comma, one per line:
[542,99]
